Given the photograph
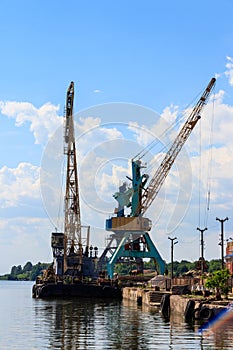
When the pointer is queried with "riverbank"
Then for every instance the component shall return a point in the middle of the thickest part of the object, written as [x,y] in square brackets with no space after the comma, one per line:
[190,307]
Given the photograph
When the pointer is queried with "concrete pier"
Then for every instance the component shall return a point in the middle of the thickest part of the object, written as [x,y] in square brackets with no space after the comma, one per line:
[184,306]
[143,296]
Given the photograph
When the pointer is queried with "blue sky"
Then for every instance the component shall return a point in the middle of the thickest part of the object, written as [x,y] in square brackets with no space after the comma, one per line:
[157,54]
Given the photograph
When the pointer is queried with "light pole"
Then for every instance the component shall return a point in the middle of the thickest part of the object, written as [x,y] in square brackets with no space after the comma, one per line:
[222,240]
[202,248]
[172,248]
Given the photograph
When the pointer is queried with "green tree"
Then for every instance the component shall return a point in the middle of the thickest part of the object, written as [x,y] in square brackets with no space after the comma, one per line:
[37,270]
[214,265]
[219,280]
[27,267]
[16,270]
[179,268]
[185,266]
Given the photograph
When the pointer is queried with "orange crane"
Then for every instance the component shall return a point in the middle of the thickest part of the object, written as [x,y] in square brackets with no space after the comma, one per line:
[68,247]
[73,237]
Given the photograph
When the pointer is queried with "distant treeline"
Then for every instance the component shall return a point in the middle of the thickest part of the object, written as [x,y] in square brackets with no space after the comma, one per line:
[28,272]
[182,267]
[179,268]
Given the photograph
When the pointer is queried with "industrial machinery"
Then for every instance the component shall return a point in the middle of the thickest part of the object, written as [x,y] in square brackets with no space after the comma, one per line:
[71,248]
[74,272]
[130,239]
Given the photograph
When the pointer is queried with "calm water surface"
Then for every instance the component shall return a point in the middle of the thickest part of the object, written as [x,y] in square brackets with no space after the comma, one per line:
[28,324]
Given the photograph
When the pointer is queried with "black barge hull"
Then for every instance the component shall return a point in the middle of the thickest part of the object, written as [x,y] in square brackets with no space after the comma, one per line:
[55,290]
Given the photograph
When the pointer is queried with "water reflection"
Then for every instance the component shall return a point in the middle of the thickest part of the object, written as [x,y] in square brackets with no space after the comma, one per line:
[219,339]
[27,323]
[86,324]
[73,324]
[95,324]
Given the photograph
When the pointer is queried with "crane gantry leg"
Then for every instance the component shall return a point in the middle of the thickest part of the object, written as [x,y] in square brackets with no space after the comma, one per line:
[135,245]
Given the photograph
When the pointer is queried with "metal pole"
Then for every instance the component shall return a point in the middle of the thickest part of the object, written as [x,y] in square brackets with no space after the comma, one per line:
[202,248]
[222,239]
[172,248]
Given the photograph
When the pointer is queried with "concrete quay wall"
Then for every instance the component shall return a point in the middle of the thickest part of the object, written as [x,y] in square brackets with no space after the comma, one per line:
[191,309]
[178,304]
[143,296]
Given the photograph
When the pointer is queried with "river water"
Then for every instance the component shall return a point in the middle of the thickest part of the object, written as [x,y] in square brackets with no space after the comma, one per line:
[28,324]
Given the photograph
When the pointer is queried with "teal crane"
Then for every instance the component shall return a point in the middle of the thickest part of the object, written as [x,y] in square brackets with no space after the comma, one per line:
[130,238]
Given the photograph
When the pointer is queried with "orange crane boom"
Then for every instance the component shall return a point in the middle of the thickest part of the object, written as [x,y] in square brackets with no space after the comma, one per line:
[160,175]
[72,229]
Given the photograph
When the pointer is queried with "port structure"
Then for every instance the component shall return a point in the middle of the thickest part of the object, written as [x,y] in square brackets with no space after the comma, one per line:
[130,238]
[72,253]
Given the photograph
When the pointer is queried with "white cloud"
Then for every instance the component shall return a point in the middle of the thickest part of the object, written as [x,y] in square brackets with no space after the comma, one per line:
[90,132]
[229,70]
[142,134]
[43,121]
[85,125]
[19,185]
[170,113]
[158,135]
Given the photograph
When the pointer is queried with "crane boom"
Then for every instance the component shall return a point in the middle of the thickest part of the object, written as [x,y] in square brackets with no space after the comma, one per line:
[72,229]
[160,175]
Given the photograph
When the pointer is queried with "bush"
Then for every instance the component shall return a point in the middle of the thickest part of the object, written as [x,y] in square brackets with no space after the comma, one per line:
[219,280]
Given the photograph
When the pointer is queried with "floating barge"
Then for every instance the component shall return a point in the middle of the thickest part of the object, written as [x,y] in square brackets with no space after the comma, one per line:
[77,290]
[85,281]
